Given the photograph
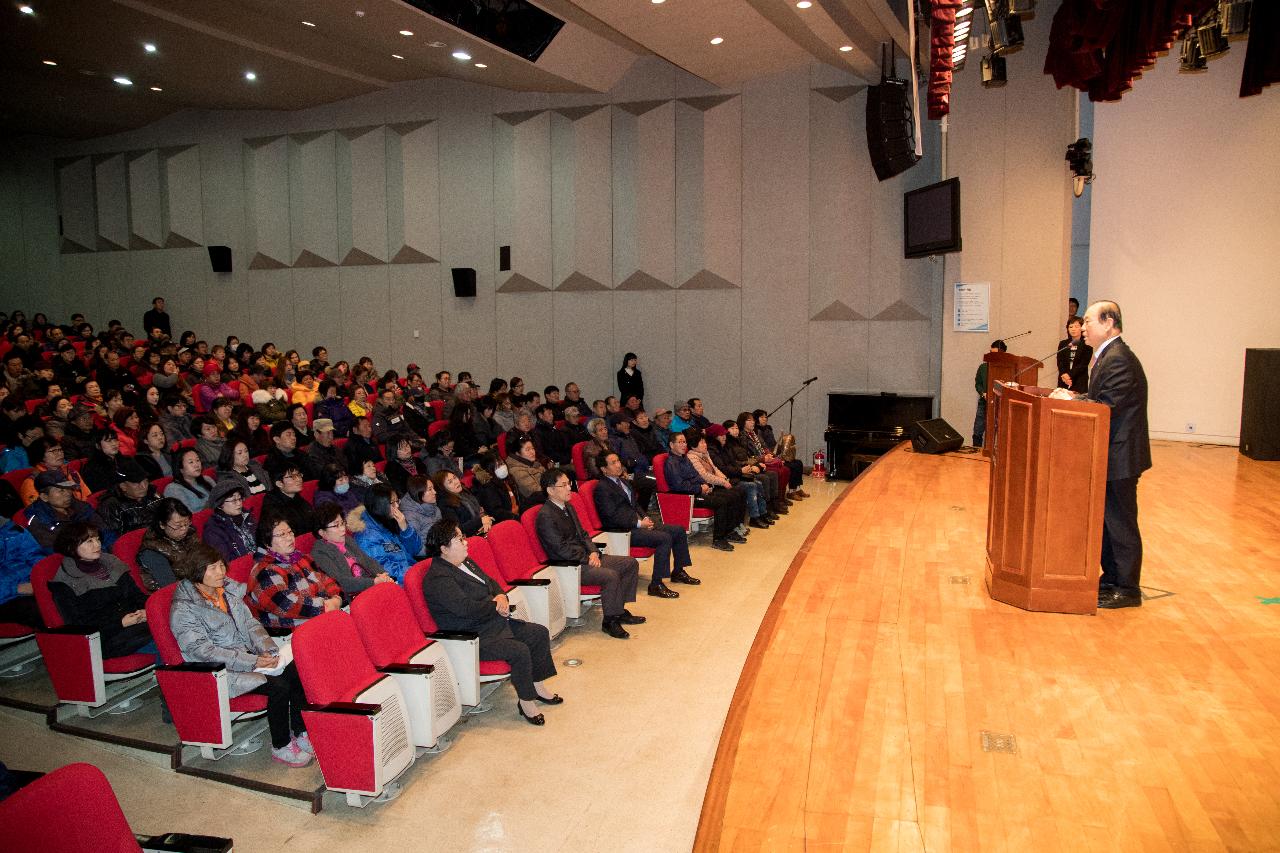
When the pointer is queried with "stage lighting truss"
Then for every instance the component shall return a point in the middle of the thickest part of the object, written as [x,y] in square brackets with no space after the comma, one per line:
[1005,26]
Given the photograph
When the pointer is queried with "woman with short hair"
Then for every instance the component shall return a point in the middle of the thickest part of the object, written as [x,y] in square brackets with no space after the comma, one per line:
[212,624]
[285,587]
[93,588]
[337,553]
[334,487]
[458,504]
[236,463]
[169,537]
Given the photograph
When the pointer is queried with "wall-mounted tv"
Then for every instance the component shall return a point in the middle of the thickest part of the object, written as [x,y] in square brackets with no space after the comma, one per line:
[931,220]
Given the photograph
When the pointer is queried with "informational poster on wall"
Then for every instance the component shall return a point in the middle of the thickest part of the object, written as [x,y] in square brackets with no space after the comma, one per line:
[972,306]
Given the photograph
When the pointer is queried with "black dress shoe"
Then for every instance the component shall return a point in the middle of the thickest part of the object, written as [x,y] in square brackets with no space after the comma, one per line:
[556,699]
[1115,598]
[535,720]
[721,545]
[658,589]
[758,524]
[733,537]
[681,576]
[614,629]
[629,618]
[781,509]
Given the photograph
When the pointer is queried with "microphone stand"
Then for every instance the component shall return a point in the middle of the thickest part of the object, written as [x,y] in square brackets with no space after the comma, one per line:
[792,401]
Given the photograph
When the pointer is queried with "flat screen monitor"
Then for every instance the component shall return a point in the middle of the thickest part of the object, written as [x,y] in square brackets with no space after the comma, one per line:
[931,220]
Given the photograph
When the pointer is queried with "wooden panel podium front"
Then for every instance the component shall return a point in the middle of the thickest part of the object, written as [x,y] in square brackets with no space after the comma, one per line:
[1005,367]
[1044,511]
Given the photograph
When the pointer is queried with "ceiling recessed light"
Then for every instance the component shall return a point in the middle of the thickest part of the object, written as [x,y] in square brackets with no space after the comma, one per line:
[156,89]
[123,81]
[656,2]
[717,40]
[804,4]
[406,32]
[481,65]
[359,13]
[307,24]
[49,62]
[26,10]
[845,48]
[462,55]
[396,56]
[249,75]
[149,47]
[435,44]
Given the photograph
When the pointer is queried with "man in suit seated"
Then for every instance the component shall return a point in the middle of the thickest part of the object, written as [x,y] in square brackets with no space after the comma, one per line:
[565,541]
[462,597]
[616,504]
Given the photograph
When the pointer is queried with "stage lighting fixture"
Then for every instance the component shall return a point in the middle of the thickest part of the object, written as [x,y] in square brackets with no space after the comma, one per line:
[993,71]
[1192,59]
[1212,42]
[1080,160]
[1022,8]
[1234,15]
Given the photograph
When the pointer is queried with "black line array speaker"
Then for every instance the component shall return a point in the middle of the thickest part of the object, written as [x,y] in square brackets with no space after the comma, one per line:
[220,258]
[1260,411]
[464,282]
[890,132]
[935,436]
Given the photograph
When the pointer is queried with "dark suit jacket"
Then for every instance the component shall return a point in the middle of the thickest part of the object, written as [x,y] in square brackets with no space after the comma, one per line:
[562,535]
[616,510]
[1079,370]
[459,602]
[1117,380]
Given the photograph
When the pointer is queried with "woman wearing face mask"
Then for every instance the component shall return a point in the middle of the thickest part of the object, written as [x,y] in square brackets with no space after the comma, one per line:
[334,487]
[419,505]
[231,528]
[338,555]
[459,505]
[492,486]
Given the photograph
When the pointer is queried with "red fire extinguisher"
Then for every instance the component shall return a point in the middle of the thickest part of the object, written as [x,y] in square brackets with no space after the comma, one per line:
[819,471]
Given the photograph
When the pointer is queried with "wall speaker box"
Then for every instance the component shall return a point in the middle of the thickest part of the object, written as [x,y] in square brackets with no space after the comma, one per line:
[504,259]
[464,282]
[890,131]
[1260,410]
[220,258]
[935,436]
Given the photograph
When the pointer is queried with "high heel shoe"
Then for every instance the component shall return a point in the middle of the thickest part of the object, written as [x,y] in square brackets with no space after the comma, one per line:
[535,720]
[556,699]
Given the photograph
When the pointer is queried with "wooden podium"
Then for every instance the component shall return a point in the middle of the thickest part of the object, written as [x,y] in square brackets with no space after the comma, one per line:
[1004,367]
[1044,509]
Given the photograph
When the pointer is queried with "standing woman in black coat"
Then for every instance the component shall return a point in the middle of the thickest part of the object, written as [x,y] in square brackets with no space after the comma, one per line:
[630,380]
[1074,356]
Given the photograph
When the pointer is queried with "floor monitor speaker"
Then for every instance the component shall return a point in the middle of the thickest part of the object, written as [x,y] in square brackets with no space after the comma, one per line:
[935,436]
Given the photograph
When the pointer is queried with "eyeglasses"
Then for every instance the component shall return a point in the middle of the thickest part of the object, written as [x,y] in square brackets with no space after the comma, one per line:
[292,475]
[175,526]
[282,534]
[233,499]
[335,525]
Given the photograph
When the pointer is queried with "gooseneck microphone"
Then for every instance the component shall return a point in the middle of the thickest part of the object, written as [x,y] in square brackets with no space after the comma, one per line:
[1046,358]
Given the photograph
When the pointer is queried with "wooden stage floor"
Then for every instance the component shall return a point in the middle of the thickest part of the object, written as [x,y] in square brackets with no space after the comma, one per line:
[859,720]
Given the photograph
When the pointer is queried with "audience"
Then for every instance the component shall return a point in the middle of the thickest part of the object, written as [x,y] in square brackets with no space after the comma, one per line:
[212,624]
[101,469]
[129,504]
[231,528]
[337,553]
[285,500]
[526,472]
[57,505]
[707,456]
[19,551]
[93,589]
[153,451]
[457,504]
[419,505]
[683,478]
[236,464]
[384,533]
[48,455]
[285,587]
[169,536]
[334,487]
[189,485]
[462,597]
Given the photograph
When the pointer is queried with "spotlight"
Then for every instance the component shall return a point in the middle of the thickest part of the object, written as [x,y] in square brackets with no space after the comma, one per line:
[461,55]
[122,81]
[1006,29]
[406,32]
[156,89]
[48,62]
[307,24]
[1192,58]
[717,40]
[1081,162]
[1235,17]
[149,47]
[845,48]
[26,10]
[396,56]
[250,76]
[993,71]
[481,65]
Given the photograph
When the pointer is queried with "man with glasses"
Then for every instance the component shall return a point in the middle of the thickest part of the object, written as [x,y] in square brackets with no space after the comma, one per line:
[565,541]
[728,506]
[286,500]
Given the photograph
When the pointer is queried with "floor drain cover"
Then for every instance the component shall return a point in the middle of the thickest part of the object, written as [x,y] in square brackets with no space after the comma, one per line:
[573,662]
[996,742]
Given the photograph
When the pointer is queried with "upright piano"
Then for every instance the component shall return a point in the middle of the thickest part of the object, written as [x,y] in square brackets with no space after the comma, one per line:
[864,427]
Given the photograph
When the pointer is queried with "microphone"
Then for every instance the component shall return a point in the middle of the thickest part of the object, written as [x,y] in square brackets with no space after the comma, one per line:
[1015,337]
[808,381]
[1046,358]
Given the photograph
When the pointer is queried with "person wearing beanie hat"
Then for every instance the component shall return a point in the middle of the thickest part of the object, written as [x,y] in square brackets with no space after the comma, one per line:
[128,504]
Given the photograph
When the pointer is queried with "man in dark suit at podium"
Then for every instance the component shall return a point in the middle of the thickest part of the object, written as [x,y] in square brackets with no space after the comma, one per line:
[1116,379]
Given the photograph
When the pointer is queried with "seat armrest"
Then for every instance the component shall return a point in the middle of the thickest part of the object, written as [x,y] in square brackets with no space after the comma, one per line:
[532,582]
[407,669]
[453,635]
[358,709]
[191,667]
[70,630]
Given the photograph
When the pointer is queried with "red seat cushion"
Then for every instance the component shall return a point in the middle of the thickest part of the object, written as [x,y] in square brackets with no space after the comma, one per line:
[591,589]
[640,553]
[13,631]
[128,663]
[699,512]
[494,667]
[249,702]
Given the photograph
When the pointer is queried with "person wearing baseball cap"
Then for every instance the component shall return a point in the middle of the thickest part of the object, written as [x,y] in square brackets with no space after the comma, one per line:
[58,505]
[127,505]
[322,450]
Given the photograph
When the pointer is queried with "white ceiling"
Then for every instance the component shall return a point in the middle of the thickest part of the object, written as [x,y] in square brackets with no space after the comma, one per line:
[204,48]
